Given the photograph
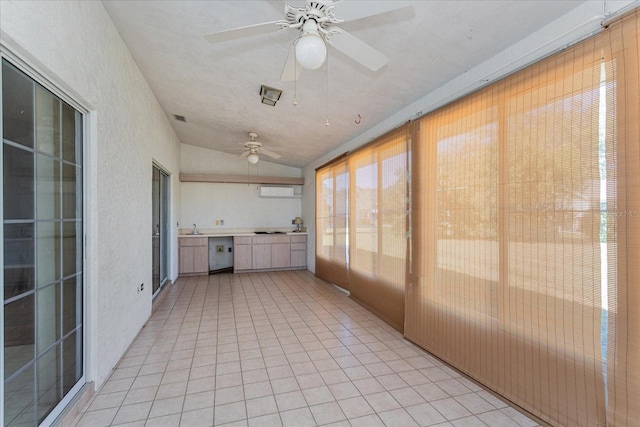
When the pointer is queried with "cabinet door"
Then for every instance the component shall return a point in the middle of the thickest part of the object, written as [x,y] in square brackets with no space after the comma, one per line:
[200,259]
[280,255]
[261,256]
[299,258]
[186,259]
[242,257]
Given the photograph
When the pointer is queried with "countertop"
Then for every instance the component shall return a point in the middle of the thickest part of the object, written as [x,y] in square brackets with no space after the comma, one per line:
[231,233]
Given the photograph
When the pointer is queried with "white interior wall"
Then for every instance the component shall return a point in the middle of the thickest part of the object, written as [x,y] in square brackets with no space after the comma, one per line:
[75,46]
[578,24]
[239,205]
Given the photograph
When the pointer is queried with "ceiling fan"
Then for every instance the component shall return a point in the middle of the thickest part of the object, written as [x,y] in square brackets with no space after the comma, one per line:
[315,26]
[253,148]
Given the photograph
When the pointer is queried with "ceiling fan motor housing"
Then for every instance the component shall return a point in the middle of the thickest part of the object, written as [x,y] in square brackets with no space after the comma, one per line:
[318,11]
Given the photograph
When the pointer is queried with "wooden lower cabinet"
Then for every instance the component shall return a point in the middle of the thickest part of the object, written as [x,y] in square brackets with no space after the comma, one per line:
[299,251]
[269,252]
[194,255]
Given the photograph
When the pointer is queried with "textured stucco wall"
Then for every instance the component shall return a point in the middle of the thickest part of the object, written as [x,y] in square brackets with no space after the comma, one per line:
[75,45]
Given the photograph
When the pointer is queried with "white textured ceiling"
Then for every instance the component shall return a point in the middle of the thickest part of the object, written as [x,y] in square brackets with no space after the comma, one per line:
[215,86]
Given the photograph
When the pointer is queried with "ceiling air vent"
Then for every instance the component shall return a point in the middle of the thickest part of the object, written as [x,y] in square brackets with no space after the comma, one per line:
[180,118]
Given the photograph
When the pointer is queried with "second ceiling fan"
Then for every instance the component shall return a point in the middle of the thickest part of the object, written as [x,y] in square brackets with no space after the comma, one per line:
[315,25]
[252,148]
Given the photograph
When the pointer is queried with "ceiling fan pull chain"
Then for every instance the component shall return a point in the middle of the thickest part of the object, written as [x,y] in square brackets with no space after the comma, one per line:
[326,97]
[295,74]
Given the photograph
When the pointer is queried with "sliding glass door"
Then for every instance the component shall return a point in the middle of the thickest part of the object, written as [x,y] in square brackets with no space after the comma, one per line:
[42,337]
[160,229]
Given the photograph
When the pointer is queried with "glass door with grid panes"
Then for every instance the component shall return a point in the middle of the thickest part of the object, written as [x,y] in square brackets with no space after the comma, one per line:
[160,218]
[42,337]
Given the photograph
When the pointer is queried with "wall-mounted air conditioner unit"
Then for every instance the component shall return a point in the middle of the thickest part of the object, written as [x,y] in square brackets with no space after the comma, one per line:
[283,192]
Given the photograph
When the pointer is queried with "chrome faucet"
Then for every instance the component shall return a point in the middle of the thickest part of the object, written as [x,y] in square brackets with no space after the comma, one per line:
[195,230]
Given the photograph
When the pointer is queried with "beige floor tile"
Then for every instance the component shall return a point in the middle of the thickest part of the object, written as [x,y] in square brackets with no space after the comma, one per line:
[166,391]
[205,399]
[382,401]
[290,400]
[130,413]
[107,400]
[450,408]
[425,414]
[172,420]
[327,413]
[407,396]
[397,418]
[355,407]
[140,395]
[99,418]
[310,381]
[175,376]
[144,381]
[258,389]
[229,395]
[297,418]
[261,406]
[162,407]
[153,368]
[271,420]
[202,384]
[199,417]
[202,372]
[113,386]
[367,421]
[230,412]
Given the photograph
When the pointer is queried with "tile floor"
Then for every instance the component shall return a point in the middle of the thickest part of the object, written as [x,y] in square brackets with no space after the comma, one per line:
[282,348]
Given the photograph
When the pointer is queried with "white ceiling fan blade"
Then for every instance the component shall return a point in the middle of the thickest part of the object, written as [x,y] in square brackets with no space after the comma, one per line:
[290,71]
[240,32]
[245,154]
[352,10]
[358,50]
[270,153]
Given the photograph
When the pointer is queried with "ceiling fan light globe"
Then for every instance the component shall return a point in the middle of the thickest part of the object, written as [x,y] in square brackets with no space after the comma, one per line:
[311,51]
[253,158]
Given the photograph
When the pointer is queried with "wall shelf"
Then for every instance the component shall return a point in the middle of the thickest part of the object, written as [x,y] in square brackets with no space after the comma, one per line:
[239,179]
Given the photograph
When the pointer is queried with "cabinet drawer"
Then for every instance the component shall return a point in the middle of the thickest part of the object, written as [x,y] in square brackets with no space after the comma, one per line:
[242,240]
[298,246]
[194,241]
[263,240]
[298,239]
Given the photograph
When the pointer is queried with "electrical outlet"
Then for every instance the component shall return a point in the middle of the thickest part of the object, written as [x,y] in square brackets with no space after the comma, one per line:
[217,222]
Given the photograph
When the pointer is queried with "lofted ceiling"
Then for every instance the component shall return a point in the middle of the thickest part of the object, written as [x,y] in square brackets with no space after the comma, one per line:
[216,86]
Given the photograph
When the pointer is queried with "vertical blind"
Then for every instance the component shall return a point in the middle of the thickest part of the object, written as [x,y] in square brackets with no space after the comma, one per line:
[526,233]
[361,224]
[332,197]
[377,226]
